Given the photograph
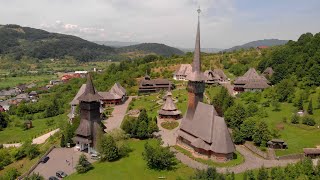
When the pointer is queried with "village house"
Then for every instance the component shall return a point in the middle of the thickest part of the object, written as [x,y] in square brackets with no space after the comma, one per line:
[215,76]
[169,109]
[268,72]
[86,135]
[148,85]
[251,81]
[202,131]
[116,95]
[182,72]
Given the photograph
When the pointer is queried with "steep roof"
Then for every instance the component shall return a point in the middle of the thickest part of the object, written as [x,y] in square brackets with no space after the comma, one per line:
[84,128]
[183,70]
[252,80]
[196,74]
[207,130]
[169,104]
[90,94]
[268,71]
[220,73]
[210,75]
[118,89]
[75,100]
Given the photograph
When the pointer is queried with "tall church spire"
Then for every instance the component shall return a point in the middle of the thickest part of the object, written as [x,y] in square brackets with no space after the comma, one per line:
[196,74]
[90,93]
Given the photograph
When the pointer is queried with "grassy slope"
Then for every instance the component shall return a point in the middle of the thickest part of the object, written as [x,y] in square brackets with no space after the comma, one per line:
[132,167]
[17,134]
[14,81]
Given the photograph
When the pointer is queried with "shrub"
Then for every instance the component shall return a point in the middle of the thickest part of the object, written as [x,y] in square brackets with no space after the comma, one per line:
[159,157]
[108,149]
[307,120]
[83,165]
[295,119]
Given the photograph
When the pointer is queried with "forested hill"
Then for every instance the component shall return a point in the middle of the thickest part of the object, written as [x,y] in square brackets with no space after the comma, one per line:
[17,41]
[25,41]
[300,59]
[254,44]
[155,48]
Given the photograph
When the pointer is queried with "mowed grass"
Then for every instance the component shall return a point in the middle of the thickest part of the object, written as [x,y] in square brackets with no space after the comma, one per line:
[6,82]
[17,134]
[298,136]
[132,167]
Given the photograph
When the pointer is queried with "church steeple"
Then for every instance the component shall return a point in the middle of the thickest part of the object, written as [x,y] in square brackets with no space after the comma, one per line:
[196,78]
[196,74]
[90,94]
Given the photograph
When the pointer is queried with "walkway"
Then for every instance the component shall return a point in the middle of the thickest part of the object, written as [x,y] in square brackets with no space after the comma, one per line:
[38,140]
[168,136]
[118,114]
[251,162]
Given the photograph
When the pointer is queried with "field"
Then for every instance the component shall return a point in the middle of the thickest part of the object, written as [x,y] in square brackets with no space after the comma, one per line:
[132,167]
[6,82]
[17,134]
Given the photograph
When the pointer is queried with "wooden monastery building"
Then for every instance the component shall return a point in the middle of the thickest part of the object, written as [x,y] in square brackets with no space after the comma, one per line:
[116,95]
[251,81]
[202,130]
[148,85]
[169,109]
[90,122]
[182,72]
[215,76]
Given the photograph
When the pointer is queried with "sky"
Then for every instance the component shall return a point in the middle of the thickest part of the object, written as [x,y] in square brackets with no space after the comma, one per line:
[224,23]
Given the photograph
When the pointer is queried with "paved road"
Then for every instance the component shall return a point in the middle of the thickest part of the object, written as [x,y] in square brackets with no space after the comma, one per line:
[61,159]
[118,114]
[38,140]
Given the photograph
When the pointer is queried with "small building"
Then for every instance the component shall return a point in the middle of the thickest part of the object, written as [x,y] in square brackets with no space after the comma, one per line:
[22,88]
[28,124]
[215,76]
[268,72]
[169,109]
[33,95]
[251,81]
[182,72]
[86,135]
[277,144]
[22,97]
[311,152]
[55,82]
[148,85]
[116,95]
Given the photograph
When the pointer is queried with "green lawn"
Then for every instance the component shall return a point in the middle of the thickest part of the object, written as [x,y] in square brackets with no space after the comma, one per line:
[17,134]
[297,136]
[14,81]
[132,167]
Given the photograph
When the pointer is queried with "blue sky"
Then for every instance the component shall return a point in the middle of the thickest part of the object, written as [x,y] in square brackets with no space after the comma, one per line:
[224,23]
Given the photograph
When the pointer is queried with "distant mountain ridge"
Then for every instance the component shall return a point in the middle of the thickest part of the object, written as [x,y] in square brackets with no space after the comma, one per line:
[254,44]
[116,43]
[18,41]
[206,50]
[160,49]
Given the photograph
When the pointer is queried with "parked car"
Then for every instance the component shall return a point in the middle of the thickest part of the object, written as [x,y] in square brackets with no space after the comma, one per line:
[61,174]
[95,156]
[53,178]
[44,159]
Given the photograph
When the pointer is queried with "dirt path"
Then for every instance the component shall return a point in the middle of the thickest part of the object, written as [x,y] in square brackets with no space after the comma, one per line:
[38,140]
[118,114]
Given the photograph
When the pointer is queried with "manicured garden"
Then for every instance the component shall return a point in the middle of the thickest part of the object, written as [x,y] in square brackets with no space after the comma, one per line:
[169,125]
[132,167]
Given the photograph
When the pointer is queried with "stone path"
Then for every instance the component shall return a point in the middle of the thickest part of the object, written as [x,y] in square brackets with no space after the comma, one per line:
[118,114]
[168,136]
[251,162]
[38,140]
